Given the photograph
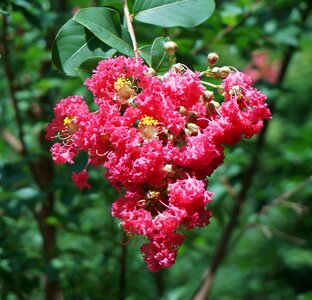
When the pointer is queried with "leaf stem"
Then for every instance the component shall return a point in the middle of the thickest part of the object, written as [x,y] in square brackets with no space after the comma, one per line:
[130,27]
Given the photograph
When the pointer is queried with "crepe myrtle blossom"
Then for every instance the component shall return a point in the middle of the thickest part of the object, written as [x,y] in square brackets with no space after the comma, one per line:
[81,179]
[158,138]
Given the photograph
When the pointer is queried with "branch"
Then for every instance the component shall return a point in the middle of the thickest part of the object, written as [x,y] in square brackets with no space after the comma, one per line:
[221,249]
[12,141]
[278,201]
[130,27]
[230,189]
[230,28]
[282,199]
[5,53]
[123,266]
[270,231]
[18,294]
[41,168]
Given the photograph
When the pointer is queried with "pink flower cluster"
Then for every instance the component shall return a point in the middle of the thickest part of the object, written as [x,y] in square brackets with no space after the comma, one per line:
[158,137]
[263,67]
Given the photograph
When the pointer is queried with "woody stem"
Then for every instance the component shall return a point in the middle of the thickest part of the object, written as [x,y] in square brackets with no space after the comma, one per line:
[130,27]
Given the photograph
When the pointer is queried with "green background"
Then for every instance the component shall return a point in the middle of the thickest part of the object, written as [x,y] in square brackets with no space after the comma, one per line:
[56,241]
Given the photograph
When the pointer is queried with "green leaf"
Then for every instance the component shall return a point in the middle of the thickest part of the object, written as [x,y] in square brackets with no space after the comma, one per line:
[105,24]
[145,53]
[305,296]
[52,221]
[29,12]
[85,69]
[73,45]
[170,13]
[158,53]
[4,12]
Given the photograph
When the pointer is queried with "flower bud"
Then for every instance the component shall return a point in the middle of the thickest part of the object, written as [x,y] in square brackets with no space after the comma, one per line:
[171,47]
[169,169]
[225,71]
[208,96]
[191,128]
[212,58]
[182,110]
[221,73]
[192,116]
[150,72]
[213,106]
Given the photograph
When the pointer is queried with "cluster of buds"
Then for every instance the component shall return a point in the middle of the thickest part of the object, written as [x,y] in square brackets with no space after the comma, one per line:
[158,138]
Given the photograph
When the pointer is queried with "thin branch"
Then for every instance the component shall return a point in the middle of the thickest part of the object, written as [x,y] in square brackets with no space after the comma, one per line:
[123,266]
[230,28]
[41,168]
[158,278]
[130,27]
[221,249]
[278,201]
[270,231]
[229,187]
[18,294]
[282,199]
[12,141]
[6,58]
[205,286]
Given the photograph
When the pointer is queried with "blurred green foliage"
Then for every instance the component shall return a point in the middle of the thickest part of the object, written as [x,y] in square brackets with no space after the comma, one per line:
[270,253]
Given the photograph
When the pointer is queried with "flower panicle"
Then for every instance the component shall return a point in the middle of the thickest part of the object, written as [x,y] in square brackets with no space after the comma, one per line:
[158,138]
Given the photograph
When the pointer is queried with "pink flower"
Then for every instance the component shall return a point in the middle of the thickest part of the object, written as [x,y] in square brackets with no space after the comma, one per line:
[262,67]
[157,102]
[81,179]
[184,88]
[69,113]
[161,251]
[242,113]
[158,138]
[61,154]
[112,80]
[71,116]
[189,194]
[135,165]
[199,154]
[136,220]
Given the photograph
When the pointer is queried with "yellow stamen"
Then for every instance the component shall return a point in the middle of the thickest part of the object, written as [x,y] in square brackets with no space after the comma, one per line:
[148,121]
[148,128]
[68,121]
[121,82]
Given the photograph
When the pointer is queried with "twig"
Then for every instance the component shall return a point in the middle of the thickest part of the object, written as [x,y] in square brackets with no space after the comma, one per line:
[13,141]
[270,231]
[280,200]
[159,283]
[130,28]
[230,189]
[228,29]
